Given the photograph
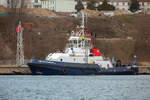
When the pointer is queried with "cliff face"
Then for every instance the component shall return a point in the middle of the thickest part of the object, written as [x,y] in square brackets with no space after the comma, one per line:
[49,35]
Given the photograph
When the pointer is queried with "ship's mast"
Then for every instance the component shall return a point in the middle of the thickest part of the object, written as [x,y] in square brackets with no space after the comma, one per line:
[84,19]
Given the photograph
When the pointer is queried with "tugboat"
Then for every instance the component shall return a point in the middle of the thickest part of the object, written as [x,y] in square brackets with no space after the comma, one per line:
[80,57]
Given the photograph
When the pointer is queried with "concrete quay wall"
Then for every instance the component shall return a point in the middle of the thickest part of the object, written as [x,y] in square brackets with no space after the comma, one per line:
[144,70]
[15,71]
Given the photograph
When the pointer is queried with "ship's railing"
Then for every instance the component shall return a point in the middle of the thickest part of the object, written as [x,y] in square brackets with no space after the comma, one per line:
[49,56]
[106,58]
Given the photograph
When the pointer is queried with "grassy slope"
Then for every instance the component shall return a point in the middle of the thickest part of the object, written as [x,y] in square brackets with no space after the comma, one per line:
[53,36]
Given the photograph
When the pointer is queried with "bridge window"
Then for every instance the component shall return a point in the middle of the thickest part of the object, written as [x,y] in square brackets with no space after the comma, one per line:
[73,43]
[79,43]
[88,43]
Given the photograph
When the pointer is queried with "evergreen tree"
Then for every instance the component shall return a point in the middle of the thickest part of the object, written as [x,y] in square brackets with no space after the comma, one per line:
[91,5]
[134,6]
[105,6]
[79,6]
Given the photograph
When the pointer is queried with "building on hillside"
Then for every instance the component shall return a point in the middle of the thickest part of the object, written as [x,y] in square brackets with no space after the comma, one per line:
[55,5]
[118,4]
[48,4]
[65,6]
[17,3]
[145,5]
[36,3]
[58,5]
[13,3]
[29,3]
[3,3]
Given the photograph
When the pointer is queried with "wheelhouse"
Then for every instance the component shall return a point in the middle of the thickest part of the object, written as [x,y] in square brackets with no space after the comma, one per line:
[80,42]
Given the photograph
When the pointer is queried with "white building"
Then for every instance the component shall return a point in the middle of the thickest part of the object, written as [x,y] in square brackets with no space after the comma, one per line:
[65,6]
[29,3]
[56,5]
[48,4]
[16,3]
[118,4]
[145,5]
[3,3]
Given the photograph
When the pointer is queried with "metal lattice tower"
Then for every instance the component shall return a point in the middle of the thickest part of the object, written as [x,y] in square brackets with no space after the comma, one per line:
[20,51]
[17,6]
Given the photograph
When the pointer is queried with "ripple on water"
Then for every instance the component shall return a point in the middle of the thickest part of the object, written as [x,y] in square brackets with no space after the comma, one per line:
[74,88]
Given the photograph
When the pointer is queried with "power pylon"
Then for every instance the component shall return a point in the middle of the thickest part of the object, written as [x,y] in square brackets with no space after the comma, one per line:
[20,51]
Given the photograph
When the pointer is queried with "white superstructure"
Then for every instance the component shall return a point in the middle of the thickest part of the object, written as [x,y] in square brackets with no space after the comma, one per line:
[80,49]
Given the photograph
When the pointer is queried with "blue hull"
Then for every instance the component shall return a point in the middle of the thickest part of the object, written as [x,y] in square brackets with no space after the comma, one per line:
[61,68]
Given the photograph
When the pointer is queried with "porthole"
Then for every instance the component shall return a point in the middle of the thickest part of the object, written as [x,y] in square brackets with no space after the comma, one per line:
[61,60]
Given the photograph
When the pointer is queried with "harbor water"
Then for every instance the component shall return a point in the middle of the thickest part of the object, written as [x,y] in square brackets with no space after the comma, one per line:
[75,87]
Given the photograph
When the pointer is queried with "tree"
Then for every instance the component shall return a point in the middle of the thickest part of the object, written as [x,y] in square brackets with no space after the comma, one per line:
[79,6]
[91,5]
[105,6]
[134,6]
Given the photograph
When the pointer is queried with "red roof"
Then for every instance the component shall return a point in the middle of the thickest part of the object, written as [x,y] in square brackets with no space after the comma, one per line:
[107,0]
[114,0]
[144,0]
[90,0]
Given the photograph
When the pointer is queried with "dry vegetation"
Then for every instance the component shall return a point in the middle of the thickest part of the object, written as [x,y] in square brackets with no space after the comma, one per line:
[49,35]
[40,12]
[3,9]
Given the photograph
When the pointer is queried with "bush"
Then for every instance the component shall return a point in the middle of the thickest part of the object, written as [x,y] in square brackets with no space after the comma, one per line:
[91,5]
[79,6]
[126,18]
[105,6]
[134,6]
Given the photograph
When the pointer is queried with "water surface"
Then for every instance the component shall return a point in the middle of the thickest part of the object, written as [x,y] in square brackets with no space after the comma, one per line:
[75,87]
